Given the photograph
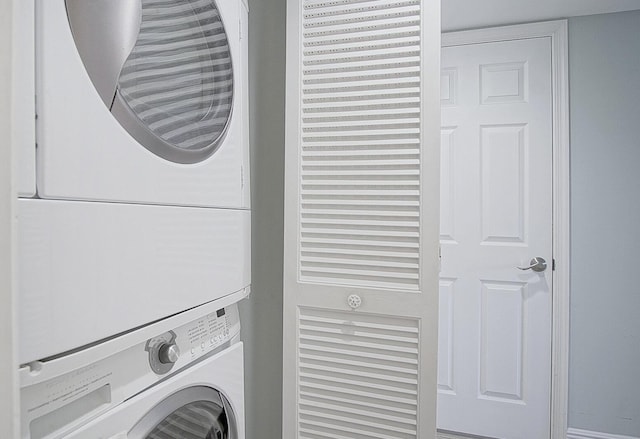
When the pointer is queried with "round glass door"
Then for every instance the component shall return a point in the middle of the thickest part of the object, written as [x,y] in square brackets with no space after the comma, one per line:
[163,68]
[193,413]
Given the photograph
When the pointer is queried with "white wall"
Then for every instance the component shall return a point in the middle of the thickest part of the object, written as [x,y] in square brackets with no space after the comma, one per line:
[262,313]
[8,367]
[605,207]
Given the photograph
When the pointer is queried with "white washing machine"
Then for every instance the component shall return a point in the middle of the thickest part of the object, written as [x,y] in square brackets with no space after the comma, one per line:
[183,381]
[137,206]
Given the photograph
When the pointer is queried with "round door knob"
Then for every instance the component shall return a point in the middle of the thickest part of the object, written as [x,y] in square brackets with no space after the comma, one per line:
[168,353]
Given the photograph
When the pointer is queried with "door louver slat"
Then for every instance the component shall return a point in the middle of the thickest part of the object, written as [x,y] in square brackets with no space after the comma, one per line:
[358,375]
[361,132]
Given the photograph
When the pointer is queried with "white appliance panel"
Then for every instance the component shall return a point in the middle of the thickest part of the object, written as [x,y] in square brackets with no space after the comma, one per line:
[92,270]
[87,400]
[85,154]
[24,121]
[244,90]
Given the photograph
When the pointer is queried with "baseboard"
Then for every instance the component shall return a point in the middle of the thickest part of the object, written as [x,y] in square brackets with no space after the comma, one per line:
[572,433]
[575,433]
[441,435]
[451,435]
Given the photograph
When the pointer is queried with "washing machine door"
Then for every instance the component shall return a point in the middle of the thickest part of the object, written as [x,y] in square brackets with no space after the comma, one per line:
[192,413]
[163,68]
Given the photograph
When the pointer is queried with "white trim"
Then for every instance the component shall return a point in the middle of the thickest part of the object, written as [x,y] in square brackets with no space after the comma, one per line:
[505,33]
[9,406]
[289,309]
[575,433]
[561,232]
[557,31]
[440,435]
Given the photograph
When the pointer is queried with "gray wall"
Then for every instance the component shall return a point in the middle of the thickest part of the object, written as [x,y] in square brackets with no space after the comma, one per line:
[262,313]
[605,207]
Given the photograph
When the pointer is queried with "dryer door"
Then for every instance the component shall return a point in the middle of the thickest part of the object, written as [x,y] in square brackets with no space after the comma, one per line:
[163,68]
[192,413]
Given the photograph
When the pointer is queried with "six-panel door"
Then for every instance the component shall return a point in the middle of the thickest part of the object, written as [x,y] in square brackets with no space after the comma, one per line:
[496,212]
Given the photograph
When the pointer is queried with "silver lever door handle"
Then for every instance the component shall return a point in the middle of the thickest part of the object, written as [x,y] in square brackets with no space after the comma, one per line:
[537,264]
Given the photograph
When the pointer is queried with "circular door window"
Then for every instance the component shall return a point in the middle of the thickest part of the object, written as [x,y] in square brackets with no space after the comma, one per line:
[172,86]
[193,413]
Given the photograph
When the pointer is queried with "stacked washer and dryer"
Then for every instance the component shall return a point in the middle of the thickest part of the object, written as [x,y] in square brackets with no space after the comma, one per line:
[134,221]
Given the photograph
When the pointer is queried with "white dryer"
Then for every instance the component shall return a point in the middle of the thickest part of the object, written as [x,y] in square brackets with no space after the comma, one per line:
[141,101]
[184,381]
[140,206]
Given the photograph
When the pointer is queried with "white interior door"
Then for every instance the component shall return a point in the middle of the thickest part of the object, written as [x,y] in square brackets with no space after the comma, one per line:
[361,219]
[496,214]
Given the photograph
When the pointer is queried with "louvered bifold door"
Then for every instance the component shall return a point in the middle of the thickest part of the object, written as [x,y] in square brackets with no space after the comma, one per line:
[361,219]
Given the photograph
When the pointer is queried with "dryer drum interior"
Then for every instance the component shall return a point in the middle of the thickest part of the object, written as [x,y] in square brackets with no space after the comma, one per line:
[193,413]
[162,67]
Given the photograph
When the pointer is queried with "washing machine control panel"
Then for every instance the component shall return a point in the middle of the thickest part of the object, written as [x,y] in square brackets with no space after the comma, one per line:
[189,342]
[57,396]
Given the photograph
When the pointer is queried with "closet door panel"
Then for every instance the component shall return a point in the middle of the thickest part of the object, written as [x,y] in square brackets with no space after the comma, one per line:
[361,218]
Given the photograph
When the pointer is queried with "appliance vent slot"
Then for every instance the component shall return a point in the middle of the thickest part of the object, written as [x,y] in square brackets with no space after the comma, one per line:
[361,135]
[357,375]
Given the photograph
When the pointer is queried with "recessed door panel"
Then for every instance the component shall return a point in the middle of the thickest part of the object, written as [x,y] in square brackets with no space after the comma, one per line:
[503,310]
[503,181]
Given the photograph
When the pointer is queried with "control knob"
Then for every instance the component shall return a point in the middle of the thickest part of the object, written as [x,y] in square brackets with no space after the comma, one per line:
[168,353]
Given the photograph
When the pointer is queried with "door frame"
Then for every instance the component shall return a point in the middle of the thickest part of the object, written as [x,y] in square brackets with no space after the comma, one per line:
[10,122]
[557,31]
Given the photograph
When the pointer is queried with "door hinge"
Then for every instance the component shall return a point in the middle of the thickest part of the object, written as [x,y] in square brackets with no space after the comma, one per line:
[242,177]
[439,259]
[36,122]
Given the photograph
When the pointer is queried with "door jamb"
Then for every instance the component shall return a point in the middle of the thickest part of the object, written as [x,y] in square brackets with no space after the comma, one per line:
[9,103]
[557,31]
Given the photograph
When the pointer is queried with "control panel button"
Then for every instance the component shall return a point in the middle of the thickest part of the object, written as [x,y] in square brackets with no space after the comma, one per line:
[163,352]
[168,353]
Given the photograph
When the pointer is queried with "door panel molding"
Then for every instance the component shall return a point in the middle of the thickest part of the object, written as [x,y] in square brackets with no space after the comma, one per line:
[557,31]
